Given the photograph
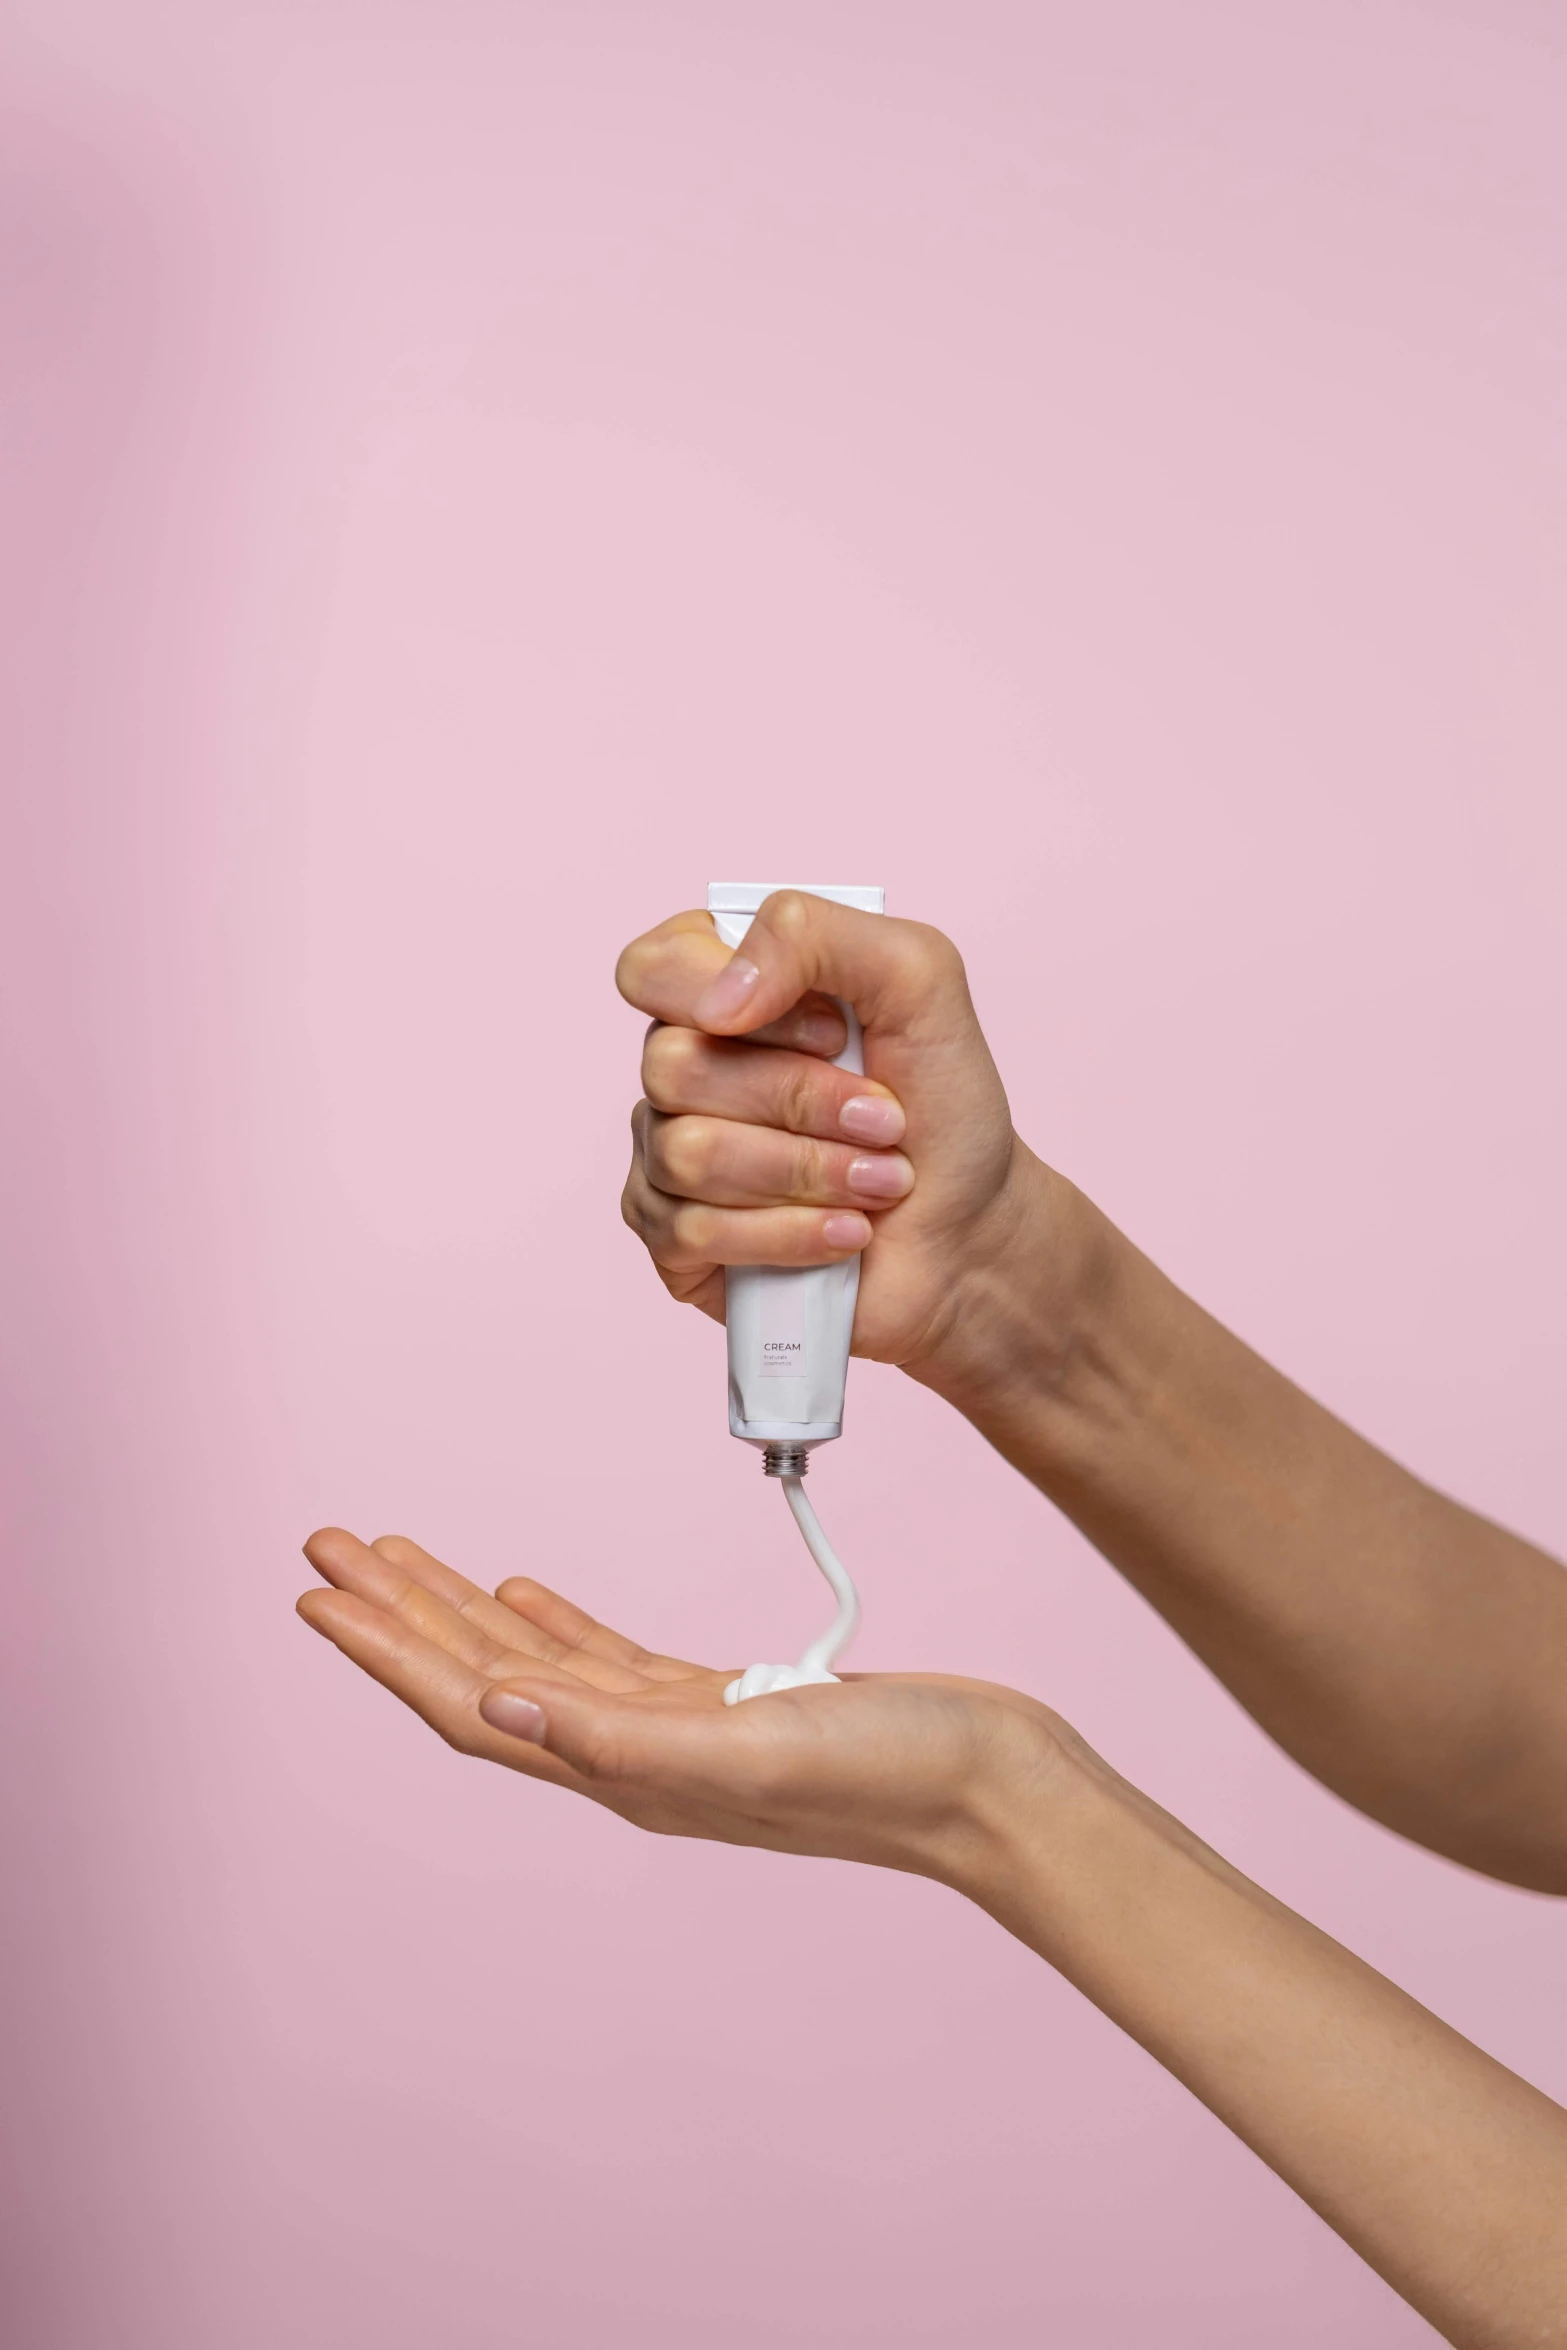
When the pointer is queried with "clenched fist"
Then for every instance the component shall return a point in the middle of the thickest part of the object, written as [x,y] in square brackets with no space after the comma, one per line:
[750,1148]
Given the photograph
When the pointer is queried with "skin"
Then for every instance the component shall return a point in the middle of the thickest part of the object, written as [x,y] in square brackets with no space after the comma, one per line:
[1411,1654]
[1408,1653]
[1444,2171]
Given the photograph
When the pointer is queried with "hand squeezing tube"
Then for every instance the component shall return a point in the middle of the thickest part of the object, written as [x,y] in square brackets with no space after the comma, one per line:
[789,1334]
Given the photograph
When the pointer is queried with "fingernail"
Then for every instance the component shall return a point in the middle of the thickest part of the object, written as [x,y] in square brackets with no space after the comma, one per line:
[728,993]
[846,1231]
[870,1117]
[888,1177]
[518,1716]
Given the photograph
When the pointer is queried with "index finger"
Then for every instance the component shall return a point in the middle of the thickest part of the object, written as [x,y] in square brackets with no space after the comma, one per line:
[893,973]
[484,1636]
[665,972]
[431,1682]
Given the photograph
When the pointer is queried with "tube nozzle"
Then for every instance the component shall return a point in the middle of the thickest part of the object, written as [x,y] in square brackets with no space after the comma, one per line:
[785,1460]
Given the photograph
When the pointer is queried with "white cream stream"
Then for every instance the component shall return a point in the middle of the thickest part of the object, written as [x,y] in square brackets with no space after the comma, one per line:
[814,1666]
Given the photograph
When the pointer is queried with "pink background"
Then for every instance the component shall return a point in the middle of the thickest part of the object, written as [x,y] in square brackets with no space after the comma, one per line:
[472,473]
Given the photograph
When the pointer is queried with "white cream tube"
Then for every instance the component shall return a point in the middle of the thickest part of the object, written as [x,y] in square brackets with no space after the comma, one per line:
[789,1331]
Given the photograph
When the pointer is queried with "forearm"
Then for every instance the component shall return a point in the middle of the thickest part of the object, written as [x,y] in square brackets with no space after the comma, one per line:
[1411,1655]
[1443,2170]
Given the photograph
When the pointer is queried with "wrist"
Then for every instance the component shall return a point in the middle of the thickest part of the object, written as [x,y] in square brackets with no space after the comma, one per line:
[1080,1864]
[1026,1336]
[1026,1812]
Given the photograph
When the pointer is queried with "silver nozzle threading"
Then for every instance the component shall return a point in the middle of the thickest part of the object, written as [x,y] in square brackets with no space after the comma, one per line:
[785,1460]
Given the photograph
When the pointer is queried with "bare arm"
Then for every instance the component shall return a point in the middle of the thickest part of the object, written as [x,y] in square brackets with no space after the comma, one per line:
[1445,2172]
[1408,1653]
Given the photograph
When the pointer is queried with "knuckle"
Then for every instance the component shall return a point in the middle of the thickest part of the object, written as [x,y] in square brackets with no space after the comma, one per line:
[661,1065]
[690,1234]
[646,1209]
[798,1097]
[683,1151]
[654,1147]
[935,955]
[628,970]
[789,915]
[664,1245]
[659,1150]
[811,1170]
[667,1060]
[657,1153]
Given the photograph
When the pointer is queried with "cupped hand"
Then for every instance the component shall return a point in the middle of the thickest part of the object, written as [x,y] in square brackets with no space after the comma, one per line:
[750,1148]
[900,1769]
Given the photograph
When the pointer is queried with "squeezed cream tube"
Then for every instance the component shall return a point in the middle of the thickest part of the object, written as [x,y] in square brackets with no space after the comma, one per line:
[789,1330]
[789,1333]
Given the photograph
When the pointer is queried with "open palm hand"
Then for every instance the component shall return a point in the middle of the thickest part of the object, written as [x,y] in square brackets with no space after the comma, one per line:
[883,1767]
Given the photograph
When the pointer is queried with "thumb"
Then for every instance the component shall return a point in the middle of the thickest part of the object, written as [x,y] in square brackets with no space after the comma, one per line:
[890,971]
[908,985]
[627,1741]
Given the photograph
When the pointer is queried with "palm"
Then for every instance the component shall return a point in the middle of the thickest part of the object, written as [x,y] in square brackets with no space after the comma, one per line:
[870,1769]
[902,1288]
